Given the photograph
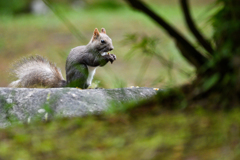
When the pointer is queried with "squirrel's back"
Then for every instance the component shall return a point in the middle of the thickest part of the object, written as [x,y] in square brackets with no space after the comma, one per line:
[36,71]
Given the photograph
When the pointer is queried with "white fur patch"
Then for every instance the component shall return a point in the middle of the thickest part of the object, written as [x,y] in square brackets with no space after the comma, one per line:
[91,72]
[104,53]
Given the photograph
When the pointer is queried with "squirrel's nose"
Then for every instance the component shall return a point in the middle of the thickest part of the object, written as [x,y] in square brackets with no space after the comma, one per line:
[111,48]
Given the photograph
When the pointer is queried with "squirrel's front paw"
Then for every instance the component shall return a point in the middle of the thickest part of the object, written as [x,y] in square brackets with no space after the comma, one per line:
[112,57]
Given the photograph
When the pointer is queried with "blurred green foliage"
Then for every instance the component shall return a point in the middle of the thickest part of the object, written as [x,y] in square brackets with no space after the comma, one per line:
[221,73]
[109,5]
[14,6]
[147,47]
[137,136]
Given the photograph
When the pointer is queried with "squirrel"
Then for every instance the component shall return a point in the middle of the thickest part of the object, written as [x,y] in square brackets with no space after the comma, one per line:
[81,65]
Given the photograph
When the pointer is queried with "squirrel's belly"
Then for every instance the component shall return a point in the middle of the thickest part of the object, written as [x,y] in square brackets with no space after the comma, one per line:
[91,72]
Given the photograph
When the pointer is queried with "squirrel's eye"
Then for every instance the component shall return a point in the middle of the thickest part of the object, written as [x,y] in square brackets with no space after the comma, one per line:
[102,41]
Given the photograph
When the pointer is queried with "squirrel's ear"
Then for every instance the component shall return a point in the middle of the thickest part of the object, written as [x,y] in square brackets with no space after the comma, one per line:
[103,30]
[95,33]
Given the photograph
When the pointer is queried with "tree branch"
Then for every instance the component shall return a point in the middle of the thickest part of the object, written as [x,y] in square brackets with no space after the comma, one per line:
[192,27]
[187,50]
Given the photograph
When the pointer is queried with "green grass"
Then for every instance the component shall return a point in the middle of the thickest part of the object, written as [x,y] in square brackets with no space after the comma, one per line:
[48,36]
[164,135]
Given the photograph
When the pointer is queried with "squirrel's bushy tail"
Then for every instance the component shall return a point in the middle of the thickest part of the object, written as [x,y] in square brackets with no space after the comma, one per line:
[36,71]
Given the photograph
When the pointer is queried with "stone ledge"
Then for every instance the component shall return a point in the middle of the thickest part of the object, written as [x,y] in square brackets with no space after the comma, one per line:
[23,104]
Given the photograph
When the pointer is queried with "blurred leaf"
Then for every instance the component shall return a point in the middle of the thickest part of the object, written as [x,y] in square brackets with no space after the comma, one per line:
[147,46]
[119,83]
[211,81]
[142,70]
[65,20]
[158,80]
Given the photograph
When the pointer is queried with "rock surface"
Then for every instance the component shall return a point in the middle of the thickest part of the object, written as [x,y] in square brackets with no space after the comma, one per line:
[24,104]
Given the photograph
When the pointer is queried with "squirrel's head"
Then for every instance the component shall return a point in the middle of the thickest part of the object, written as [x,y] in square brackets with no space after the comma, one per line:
[101,42]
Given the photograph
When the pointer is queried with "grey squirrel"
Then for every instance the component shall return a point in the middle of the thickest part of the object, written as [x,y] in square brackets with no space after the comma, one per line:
[81,65]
